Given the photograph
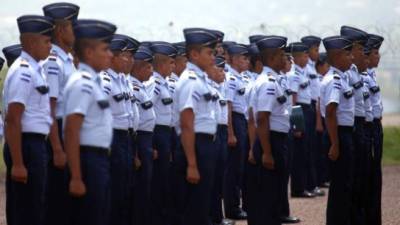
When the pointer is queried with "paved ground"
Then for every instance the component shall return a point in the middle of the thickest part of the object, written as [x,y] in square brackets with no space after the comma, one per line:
[312,212]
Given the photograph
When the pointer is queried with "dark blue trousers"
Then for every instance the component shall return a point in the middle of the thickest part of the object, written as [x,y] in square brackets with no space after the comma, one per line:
[221,149]
[132,176]
[360,188]
[271,181]
[253,188]
[322,159]
[94,207]
[193,200]
[340,189]
[301,155]
[311,151]
[285,207]
[233,183]
[370,203]
[26,202]
[161,170]
[172,193]
[144,141]
[57,189]
[121,165]
[376,211]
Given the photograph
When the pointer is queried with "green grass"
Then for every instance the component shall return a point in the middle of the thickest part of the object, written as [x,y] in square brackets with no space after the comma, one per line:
[391,146]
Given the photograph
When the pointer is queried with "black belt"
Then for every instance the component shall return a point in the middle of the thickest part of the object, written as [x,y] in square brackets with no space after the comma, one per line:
[238,114]
[303,105]
[34,135]
[121,132]
[278,134]
[132,132]
[345,128]
[97,150]
[210,137]
[144,132]
[377,120]
[162,128]
[359,119]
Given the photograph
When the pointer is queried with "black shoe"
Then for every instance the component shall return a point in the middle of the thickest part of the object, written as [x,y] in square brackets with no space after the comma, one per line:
[240,215]
[289,219]
[324,185]
[304,194]
[318,192]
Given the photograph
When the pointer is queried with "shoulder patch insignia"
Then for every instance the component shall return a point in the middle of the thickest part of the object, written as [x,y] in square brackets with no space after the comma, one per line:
[86,76]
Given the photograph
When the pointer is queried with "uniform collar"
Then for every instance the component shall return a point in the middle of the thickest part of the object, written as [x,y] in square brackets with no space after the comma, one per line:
[137,82]
[160,78]
[112,73]
[61,53]
[298,69]
[269,71]
[85,67]
[174,76]
[32,62]
[337,71]
[236,73]
[354,68]
[200,73]
[311,63]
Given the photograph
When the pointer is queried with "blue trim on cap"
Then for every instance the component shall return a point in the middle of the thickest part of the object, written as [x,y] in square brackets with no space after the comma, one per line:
[61,10]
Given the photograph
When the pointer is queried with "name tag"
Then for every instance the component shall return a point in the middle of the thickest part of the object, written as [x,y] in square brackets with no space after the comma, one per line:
[375,89]
[208,97]
[119,97]
[167,101]
[358,85]
[348,94]
[43,89]
[304,85]
[103,104]
[281,99]
[242,91]
[147,105]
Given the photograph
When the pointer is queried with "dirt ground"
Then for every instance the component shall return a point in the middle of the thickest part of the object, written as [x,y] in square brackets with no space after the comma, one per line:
[312,212]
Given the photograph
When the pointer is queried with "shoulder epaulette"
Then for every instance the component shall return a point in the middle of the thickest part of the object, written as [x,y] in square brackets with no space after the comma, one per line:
[271,79]
[52,57]
[24,64]
[337,77]
[157,81]
[86,76]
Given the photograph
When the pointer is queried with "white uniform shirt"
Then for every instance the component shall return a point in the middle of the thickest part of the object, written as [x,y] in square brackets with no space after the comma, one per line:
[282,80]
[356,82]
[58,67]
[237,91]
[26,83]
[84,95]
[157,87]
[221,103]
[134,109]
[268,96]
[335,88]
[300,84]
[193,92]
[114,88]
[368,82]
[145,105]
[314,81]
[376,100]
